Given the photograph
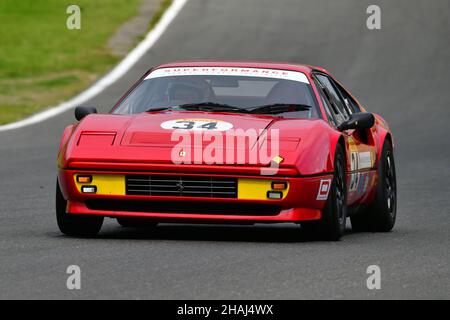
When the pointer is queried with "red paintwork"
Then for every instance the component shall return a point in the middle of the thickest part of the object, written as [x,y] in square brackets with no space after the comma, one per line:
[307,146]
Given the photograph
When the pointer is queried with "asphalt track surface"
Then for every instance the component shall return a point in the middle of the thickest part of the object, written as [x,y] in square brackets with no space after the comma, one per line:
[401,71]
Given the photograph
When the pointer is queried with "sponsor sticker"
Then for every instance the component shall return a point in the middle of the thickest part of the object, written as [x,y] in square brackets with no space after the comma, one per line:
[229,71]
[324,189]
[362,185]
[365,160]
[197,124]
[354,181]
[358,161]
[353,154]
[354,161]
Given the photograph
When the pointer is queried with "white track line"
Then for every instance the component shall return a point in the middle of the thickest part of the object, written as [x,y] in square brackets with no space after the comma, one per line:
[109,78]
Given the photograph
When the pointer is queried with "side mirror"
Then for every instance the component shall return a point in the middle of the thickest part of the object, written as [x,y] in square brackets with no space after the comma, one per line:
[81,112]
[358,121]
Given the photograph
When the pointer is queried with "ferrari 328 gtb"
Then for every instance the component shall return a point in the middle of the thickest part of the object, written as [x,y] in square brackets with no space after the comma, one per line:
[229,142]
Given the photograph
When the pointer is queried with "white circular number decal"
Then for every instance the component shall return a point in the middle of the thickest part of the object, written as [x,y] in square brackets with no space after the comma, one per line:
[197,124]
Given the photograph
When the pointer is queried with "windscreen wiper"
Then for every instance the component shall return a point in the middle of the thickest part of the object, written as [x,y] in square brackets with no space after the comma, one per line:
[278,108]
[210,106]
[159,109]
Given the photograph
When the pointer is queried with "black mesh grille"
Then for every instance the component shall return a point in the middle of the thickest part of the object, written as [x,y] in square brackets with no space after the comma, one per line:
[182,186]
[227,208]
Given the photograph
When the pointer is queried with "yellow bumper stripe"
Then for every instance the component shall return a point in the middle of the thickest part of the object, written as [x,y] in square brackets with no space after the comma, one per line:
[256,189]
[107,184]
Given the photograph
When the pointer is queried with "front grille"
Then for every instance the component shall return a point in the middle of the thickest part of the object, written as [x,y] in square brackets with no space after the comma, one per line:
[218,208]
[181,186]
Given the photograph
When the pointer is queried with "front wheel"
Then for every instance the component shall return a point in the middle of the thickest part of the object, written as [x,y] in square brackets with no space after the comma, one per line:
[334,216]
[75,225]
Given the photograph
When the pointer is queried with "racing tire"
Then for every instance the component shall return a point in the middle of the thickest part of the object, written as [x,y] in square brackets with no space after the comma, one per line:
[334,216]
[135,223]
[381,214]
[75,225]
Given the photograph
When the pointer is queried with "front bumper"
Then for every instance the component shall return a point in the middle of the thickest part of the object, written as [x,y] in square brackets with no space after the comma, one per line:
[299,202]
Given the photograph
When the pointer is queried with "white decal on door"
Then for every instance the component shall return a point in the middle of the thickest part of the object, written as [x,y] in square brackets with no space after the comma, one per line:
[364,160]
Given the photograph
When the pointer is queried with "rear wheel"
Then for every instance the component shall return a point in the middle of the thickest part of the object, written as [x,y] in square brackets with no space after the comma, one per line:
[334,216]
[381,215]
[75,225]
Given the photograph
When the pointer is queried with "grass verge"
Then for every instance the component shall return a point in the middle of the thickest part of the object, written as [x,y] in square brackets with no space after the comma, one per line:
[43,63]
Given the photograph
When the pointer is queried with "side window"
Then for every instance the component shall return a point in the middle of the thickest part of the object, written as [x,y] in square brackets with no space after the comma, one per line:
[340,110]
[326,104]
[350,103]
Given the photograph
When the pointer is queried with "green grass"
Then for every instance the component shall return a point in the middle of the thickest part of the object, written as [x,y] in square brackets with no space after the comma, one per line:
[42,62]
[158,14]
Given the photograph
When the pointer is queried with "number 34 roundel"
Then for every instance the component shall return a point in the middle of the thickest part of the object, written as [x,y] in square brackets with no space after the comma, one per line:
[197,124]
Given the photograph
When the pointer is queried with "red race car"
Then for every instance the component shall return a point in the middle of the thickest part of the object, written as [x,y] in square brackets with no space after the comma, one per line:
[229,142]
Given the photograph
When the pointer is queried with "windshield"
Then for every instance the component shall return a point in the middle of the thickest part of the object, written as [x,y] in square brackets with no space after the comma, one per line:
[240,91]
